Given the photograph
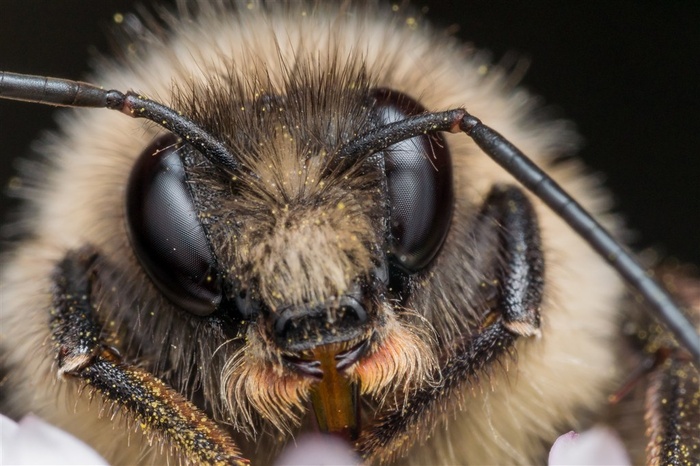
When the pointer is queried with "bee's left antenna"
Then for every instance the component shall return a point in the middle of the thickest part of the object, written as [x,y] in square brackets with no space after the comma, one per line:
[546,189]
[68,93]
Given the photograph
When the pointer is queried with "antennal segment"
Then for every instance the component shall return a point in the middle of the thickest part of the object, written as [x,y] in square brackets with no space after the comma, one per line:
[544,187]
[68,93]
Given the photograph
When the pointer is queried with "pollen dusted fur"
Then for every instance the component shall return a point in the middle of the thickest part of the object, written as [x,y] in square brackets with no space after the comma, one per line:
[302,231]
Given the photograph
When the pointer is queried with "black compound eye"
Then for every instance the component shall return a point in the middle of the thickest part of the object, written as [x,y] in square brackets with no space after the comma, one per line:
[166,233]
[419,181]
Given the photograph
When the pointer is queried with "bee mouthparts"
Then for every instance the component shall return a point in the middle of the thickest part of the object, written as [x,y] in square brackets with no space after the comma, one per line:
[335,399]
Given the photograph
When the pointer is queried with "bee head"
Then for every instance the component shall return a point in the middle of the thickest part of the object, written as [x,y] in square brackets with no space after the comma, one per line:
[310,242]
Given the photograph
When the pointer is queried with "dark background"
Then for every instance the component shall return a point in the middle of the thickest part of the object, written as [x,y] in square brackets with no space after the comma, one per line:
[627,72]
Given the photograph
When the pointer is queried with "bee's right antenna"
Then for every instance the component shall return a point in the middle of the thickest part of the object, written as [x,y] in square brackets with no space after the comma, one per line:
[68,93]
[61,92]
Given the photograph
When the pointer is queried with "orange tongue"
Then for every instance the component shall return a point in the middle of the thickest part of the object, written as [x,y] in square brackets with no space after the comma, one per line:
[335,398]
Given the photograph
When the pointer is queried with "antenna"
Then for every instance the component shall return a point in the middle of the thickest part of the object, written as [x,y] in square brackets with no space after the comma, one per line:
[67,93]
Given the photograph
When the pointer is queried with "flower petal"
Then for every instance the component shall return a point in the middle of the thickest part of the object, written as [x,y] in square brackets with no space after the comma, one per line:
[318,449]
[597,446]
[33,441]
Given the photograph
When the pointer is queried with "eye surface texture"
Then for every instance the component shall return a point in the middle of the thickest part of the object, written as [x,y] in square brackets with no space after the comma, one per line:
[419,182]
[165,231]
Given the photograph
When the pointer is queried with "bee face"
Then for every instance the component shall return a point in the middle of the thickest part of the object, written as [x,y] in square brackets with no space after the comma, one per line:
[298,257]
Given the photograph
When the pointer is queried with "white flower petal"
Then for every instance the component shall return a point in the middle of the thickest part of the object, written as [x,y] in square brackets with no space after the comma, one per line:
[33,441]
[597,446]
[318,449]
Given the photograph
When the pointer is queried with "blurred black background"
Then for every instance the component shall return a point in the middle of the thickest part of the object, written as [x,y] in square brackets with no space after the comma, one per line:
[626,72]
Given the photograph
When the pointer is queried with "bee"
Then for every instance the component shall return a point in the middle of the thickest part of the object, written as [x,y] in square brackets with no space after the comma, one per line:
[294,239]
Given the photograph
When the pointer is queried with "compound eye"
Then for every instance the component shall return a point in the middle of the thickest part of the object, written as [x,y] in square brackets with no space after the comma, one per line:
[165,231]
[419,181]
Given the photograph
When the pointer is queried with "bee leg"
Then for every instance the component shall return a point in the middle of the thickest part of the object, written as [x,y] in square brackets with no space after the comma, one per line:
[673,412]
[670,389]
[520,273]
[82,354]
[520,277]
